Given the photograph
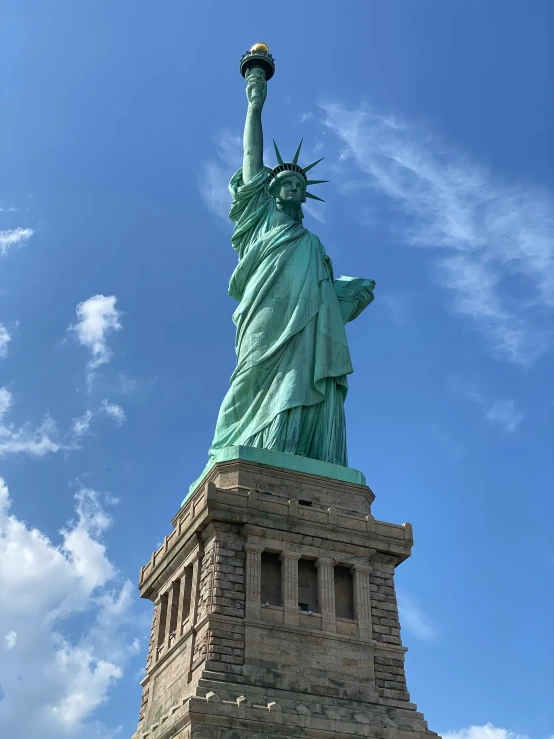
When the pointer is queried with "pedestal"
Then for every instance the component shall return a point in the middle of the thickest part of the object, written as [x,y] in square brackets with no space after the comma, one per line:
[275,613]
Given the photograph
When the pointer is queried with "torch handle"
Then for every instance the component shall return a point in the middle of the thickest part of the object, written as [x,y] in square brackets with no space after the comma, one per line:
[256,87]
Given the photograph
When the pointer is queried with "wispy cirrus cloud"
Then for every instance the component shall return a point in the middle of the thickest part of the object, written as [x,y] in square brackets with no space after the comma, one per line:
[413,619]
[316,212]
[214,181]
[501,412]
[14,237]
[400,306]
[494,240]
[505,414]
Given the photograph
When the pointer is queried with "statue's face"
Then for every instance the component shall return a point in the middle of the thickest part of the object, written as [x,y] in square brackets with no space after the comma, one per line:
[291,190]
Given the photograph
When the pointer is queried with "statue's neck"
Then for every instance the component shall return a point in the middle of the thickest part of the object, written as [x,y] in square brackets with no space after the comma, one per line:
[293,211]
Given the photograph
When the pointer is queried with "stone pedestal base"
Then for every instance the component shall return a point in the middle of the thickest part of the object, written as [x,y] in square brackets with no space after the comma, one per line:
[275,613]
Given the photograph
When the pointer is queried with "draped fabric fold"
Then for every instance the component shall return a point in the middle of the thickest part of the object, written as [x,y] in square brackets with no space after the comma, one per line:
[288,389]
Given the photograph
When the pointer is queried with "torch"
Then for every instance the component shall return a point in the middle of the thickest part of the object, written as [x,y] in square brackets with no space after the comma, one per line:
[258,56]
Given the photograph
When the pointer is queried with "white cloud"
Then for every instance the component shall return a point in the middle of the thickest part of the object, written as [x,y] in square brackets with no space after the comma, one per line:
[114,411]
[26,439]
[53,681]
[97,317]
[81,425]
[5,338]
[5,401]
[38,441]
[35,441]
[505,414]
[14,237]
[413,619]
[214,182]
[494,240]
[487,731]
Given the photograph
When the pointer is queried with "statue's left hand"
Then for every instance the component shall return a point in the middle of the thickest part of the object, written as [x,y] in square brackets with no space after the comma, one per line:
[365,296]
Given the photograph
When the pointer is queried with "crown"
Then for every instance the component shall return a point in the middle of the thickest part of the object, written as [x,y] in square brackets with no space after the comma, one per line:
[293,166]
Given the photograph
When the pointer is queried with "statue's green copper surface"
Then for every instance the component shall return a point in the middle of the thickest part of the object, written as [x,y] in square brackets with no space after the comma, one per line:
[288,389]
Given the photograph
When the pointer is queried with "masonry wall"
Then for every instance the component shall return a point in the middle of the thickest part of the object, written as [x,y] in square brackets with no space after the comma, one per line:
[272,655]
[222,592]
[233,665]
[309,662]
[384,608]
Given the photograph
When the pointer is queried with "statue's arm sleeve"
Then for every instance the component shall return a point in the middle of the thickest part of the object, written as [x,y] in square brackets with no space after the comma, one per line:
[250,208]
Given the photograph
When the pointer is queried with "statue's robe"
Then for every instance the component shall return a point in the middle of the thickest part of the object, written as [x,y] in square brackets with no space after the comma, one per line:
[288,389]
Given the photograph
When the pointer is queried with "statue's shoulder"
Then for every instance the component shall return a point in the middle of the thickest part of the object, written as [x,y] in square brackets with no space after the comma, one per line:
[256,185]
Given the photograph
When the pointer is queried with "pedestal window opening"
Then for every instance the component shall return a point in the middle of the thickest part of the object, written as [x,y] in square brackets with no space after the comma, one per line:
[344,592]
[271,580]
[175,589]
[186,585]
[308,601]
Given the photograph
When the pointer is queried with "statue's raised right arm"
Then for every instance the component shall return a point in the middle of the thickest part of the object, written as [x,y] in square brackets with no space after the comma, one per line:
[253,139]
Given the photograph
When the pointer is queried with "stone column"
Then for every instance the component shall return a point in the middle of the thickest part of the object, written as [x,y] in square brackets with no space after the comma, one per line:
[362,600]
[194,597]
[253,580]
[289,586]
[195,588]
[326,593]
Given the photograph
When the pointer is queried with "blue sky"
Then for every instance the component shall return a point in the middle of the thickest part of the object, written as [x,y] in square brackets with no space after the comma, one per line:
[120,126]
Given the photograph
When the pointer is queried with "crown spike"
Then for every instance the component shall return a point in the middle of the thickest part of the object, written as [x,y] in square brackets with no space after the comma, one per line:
[316,182]
[314,197]
[310,166]
[295,158]
[278,153]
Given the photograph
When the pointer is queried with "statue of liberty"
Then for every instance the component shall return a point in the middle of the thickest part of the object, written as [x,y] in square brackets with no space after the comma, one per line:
[288,390]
